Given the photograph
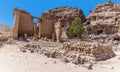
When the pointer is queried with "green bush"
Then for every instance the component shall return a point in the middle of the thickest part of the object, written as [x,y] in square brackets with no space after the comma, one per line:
[76,28]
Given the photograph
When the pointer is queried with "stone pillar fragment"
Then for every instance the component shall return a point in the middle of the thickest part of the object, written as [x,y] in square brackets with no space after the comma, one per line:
[58,30]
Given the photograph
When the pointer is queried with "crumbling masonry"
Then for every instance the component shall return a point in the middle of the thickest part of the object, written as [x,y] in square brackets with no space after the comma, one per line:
[23,24]
[49,24]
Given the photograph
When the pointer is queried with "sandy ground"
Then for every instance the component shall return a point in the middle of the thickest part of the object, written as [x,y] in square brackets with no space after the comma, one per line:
[13,60]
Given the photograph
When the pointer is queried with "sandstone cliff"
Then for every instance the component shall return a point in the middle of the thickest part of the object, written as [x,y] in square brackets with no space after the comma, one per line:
[104,19]
[65,14]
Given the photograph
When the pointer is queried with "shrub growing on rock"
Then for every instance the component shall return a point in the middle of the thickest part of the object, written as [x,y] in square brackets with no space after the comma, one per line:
[76,28]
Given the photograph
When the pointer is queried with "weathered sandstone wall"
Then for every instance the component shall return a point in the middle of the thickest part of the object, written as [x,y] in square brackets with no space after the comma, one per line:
[23,24]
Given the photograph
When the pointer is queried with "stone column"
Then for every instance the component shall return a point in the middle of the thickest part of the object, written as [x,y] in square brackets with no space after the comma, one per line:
[40,26]
[58,30]
[35,32]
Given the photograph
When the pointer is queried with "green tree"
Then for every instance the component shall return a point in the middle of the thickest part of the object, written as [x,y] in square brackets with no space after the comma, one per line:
[76,28]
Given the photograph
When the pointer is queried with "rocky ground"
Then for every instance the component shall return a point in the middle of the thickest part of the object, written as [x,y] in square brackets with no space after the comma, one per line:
[12,59]
[43,55]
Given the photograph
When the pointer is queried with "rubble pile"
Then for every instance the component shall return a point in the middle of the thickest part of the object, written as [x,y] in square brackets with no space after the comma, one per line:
[4,37]
[52,53]
[95,50]
[30,47]
[57,53]
[77,52]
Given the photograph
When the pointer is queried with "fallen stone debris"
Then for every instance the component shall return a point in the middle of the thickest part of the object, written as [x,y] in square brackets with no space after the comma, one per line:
[79,52]
[95,50]
[45,37]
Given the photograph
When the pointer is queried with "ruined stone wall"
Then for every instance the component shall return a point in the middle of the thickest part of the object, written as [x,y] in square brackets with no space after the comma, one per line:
[65,14]
[96,50]
[23,24]
[16,23]
[46,28]
[26,24]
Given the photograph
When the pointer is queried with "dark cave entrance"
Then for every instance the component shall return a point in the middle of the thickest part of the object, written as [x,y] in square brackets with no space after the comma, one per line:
[99,32]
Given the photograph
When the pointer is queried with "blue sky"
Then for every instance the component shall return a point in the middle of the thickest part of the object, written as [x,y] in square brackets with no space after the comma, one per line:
[36,7]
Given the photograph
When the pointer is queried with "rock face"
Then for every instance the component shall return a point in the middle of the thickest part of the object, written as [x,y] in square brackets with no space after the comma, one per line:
[65,14]
[23,23]
[52,21]
[104,19]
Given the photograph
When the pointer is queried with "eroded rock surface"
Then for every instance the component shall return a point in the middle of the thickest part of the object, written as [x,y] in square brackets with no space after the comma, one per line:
[104,19]
[66,14]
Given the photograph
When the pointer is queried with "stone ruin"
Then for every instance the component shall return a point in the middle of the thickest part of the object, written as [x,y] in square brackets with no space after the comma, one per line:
[49,24]
[53,22]
[104,19]
[95,50]
[23,24]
